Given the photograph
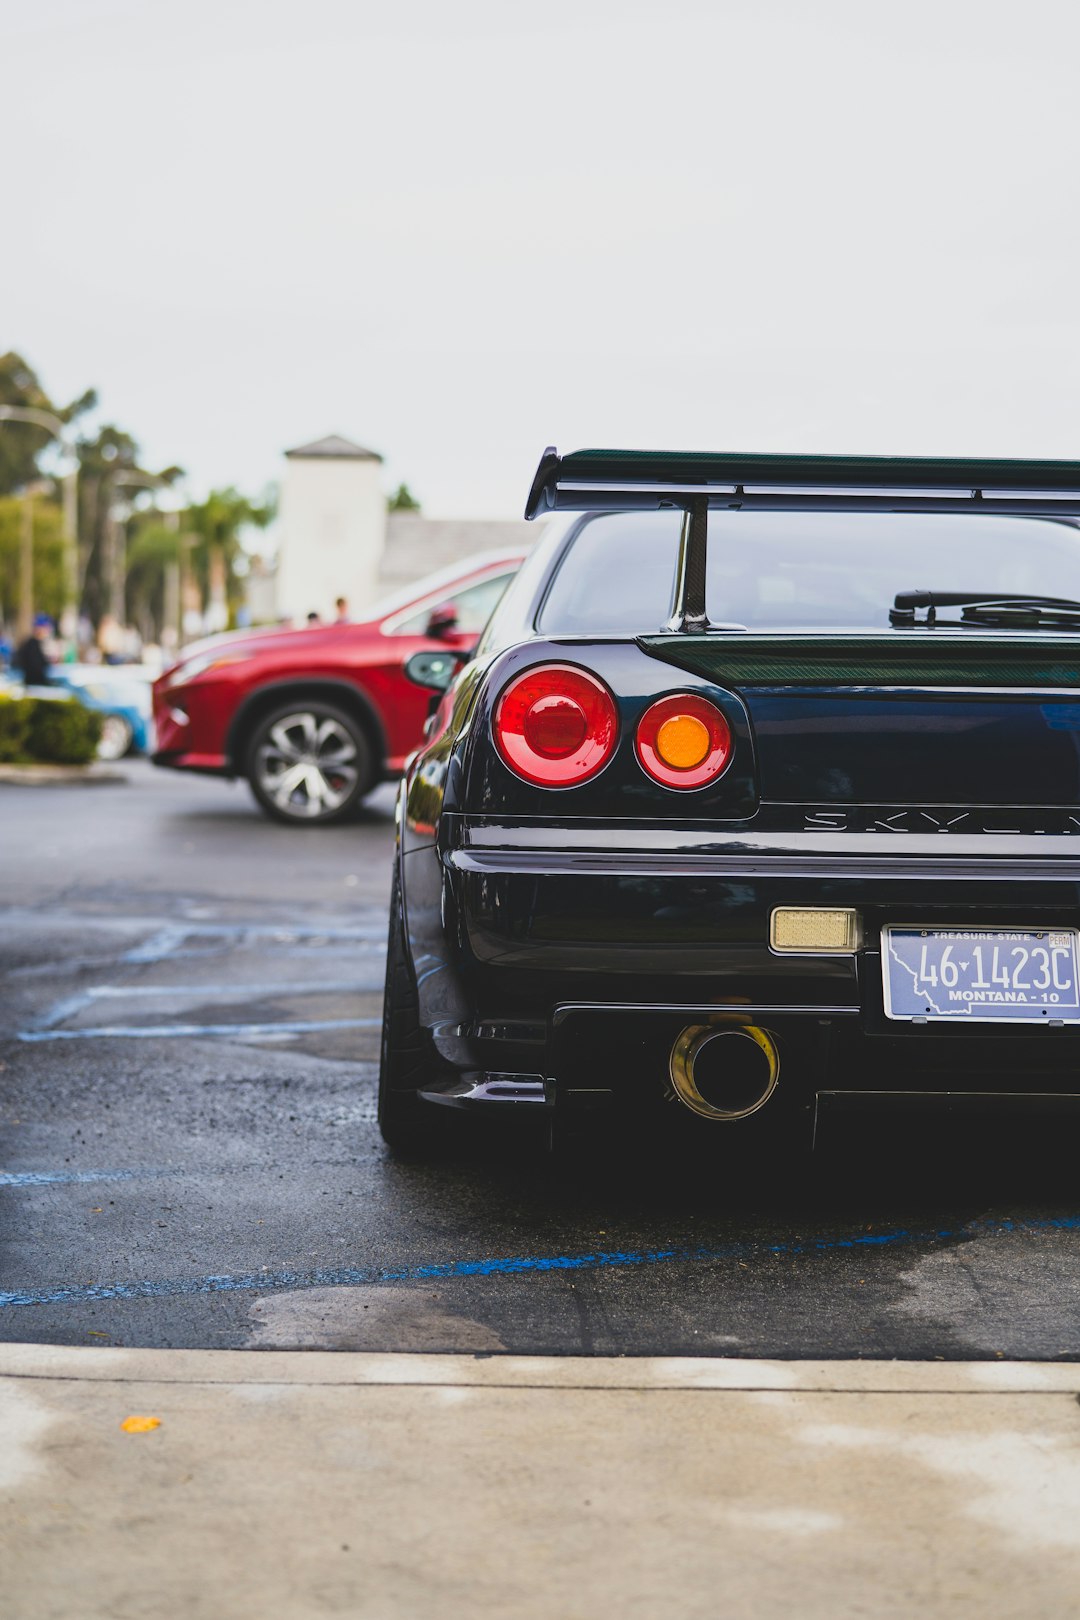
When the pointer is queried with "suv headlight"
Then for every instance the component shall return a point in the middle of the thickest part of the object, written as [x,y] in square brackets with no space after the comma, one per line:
[199,666]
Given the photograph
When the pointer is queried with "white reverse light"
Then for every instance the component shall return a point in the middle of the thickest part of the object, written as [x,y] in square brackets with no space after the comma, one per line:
[814,929]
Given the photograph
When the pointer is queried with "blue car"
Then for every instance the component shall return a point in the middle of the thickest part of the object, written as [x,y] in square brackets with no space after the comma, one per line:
[121,694]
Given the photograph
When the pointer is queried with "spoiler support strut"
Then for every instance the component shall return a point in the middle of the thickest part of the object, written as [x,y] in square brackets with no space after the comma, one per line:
[688,615]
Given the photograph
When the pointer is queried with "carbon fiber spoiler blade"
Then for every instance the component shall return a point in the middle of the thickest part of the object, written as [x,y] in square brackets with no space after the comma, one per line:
[621,480]
[697,483]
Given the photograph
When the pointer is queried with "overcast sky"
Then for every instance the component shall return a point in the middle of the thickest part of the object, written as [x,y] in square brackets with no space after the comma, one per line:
[460,230]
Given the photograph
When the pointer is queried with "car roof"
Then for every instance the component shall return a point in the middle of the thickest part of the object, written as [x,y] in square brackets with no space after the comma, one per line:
[419,590]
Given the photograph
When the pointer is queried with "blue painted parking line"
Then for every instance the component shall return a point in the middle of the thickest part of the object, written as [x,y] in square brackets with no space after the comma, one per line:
[291,987]
[169,941]
[66,1008]
[136,1032]
[16,1179]
[265,1281]
[71,1005]
[50,1178]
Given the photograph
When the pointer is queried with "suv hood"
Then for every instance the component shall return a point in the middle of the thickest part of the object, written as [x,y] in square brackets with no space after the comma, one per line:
[264,639]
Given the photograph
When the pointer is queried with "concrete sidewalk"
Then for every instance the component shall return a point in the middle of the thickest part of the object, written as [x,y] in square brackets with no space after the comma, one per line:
[308,1484]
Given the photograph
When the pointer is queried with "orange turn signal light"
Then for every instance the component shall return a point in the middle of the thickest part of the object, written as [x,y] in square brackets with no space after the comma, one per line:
[683,741]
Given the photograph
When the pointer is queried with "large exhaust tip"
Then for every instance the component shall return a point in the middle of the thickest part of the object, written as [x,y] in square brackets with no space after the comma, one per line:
[726,1072]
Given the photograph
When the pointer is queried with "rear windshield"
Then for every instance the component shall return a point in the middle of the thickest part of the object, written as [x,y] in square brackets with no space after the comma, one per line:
[803,570]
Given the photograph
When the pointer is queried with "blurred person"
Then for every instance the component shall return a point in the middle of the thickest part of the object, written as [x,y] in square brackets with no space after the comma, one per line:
[313,618]
[31,656]
[341,610]
[110,640]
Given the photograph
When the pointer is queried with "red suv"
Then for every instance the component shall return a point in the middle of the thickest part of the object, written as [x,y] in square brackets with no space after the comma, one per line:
[317,717]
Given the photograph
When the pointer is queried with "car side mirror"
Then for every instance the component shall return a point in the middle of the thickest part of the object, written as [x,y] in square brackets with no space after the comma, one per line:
[442,621]
[434,671]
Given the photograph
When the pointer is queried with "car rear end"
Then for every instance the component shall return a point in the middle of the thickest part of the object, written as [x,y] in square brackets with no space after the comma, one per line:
[762,872]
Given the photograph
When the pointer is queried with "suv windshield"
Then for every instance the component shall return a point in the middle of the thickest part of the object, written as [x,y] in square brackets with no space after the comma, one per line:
[802,570]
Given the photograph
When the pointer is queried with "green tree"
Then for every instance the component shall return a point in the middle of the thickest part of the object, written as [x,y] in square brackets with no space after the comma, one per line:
[207,536]
[21,443]
[402,500]
[110,477]
[105,461]
[48,557]
[153,547]
[219,522]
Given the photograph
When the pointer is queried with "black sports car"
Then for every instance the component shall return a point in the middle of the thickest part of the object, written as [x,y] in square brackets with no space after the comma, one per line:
[760,793]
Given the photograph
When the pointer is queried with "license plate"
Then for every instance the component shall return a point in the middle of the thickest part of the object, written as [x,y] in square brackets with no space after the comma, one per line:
[1017,976]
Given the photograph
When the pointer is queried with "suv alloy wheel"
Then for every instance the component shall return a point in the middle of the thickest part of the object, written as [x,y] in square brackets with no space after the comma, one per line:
[309,762]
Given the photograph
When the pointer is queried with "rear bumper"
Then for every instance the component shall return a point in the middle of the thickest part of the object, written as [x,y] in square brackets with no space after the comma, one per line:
[666,918]
[574,961]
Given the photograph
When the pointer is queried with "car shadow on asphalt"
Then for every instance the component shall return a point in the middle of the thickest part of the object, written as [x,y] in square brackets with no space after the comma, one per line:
[872,1172]
[242,812]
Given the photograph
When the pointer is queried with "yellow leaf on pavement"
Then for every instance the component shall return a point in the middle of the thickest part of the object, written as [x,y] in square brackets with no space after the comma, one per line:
[140,1425]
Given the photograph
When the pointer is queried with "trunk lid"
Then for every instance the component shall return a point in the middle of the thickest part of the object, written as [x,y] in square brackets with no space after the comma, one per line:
[975,718]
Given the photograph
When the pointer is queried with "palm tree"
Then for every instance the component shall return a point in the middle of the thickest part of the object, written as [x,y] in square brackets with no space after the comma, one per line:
[207,536]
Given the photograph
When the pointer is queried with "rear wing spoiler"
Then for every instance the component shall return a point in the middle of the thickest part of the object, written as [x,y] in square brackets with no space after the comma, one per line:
[696,483]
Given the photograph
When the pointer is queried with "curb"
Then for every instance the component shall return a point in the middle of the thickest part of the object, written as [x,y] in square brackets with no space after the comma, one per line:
[645,1373]
[60,775]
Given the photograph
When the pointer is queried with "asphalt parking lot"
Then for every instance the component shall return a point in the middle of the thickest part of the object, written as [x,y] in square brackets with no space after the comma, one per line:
[190,1011]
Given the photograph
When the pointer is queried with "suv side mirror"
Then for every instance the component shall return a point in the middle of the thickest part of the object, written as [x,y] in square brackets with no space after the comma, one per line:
[442,621]
[434,671]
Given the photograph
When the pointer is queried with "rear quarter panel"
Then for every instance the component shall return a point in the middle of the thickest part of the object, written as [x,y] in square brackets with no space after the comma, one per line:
[461,770]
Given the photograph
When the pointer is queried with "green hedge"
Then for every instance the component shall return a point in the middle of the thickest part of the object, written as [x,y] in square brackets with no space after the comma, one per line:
[14,727]
[47,731]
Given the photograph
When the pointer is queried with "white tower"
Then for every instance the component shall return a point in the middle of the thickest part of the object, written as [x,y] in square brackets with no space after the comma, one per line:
[333,528]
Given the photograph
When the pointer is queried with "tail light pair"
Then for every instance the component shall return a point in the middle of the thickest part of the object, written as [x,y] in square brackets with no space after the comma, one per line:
[557,726]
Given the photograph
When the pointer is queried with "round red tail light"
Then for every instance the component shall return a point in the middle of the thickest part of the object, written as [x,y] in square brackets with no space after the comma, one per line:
[556,726]
[683,741]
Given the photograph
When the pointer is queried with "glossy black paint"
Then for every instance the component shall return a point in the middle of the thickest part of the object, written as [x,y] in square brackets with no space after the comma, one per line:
[549,927]
[891,747]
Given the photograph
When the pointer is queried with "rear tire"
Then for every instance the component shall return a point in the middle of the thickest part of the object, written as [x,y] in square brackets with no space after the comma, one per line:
[309,763]
[117,736]
[404,1121]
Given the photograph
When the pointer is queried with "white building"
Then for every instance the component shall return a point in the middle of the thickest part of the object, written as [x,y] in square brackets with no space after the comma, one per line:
[332,528]
[336,537]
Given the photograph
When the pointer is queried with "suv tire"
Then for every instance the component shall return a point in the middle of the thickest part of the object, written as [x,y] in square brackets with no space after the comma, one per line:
[309,763]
